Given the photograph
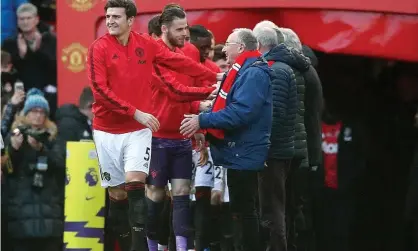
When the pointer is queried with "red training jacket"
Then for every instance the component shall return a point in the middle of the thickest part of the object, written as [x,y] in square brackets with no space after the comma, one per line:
[170,112]
[213,67]
[120,78]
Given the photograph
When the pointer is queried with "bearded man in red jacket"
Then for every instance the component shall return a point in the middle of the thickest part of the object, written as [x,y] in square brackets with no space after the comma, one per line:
[172,152]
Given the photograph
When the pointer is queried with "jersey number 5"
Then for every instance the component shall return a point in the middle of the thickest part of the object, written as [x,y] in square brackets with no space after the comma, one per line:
[147,154]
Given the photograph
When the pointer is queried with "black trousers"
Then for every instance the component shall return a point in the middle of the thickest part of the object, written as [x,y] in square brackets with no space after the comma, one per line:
[243,191]
[272,194]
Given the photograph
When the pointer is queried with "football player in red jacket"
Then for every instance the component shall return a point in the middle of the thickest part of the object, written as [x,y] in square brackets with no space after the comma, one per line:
[172,152]
[120,66]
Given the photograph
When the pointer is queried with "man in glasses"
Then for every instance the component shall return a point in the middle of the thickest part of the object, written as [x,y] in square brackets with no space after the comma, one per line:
[239,127]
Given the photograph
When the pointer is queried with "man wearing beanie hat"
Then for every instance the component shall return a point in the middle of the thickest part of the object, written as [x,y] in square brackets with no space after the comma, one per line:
[35,99]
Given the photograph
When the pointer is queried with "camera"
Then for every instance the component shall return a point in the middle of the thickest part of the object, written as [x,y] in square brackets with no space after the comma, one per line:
[41,136]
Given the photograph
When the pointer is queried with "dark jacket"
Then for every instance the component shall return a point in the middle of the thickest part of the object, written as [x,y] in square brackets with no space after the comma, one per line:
[285,104]
[300,64]
[37,69]
[313,111]
[246,119]
[72,124]
[8,118]
[34,212]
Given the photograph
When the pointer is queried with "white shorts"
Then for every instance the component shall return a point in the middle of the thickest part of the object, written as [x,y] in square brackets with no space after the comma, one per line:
[121,153]
[204,176]
[208,175]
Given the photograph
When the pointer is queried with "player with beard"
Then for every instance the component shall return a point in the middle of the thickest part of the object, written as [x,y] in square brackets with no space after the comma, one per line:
[172,152]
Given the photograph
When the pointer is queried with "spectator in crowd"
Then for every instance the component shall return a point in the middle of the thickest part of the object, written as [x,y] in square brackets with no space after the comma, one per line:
[34,182]
[8,17]
[8,77]
[74,122]
[219,58]
[240,103]
[272,180]
[11,108]
[34,53]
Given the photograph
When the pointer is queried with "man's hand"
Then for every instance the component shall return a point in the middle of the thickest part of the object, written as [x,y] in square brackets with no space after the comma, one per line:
[38,41]
[147,120]
[17,98]
[189,125]
[204,157]
[205,106]
[200,141]
[16,140]
[34,143]
[22,45]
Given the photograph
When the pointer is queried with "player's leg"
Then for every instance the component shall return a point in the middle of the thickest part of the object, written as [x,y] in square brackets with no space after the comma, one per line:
[118,217]
[156,193]
[204,179]
[109,153]
[227,243]
[181,174]
[136,158]
[216,201]
[164,223]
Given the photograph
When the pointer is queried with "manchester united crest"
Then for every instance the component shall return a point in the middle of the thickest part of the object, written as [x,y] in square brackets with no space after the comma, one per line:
[82,5]
[74,57]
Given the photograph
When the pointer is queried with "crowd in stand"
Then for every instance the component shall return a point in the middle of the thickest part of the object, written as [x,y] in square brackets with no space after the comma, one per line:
[307,197]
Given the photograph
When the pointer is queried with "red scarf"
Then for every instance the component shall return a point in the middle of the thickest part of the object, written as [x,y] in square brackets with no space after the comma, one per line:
[220,102]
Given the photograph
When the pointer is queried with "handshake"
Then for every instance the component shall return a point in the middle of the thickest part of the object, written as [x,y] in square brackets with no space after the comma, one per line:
[149,121]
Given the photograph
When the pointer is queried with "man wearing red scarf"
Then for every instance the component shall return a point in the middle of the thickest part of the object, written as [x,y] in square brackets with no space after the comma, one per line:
[239,128]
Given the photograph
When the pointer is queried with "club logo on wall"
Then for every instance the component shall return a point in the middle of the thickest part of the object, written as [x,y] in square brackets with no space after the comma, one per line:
[82,5]
[74,57]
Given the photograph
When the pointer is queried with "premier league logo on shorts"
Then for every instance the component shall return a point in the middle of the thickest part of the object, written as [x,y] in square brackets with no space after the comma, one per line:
[91,177]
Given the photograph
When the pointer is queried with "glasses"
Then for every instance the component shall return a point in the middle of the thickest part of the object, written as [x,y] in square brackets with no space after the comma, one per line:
[231,43]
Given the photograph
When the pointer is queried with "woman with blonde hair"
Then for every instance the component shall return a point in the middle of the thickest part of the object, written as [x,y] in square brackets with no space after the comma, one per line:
[34,182]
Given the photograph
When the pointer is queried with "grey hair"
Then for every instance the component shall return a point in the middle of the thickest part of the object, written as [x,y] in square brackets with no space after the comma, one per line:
[247,38]
[270,24]
[267,37]
[266,23]
[291,39]
[27,7]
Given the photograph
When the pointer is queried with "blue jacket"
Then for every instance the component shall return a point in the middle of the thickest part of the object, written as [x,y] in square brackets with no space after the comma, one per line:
[246,120]
[8,18]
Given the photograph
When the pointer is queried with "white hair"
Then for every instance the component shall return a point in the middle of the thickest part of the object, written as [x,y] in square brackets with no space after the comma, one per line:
[269,24]
[247,38]
[266,36]
[291,39]
[264,24]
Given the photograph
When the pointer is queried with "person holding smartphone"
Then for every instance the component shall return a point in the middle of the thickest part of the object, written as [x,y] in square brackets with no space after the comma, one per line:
[12,107]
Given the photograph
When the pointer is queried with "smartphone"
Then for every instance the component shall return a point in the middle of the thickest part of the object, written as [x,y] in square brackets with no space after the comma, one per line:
[19,86]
